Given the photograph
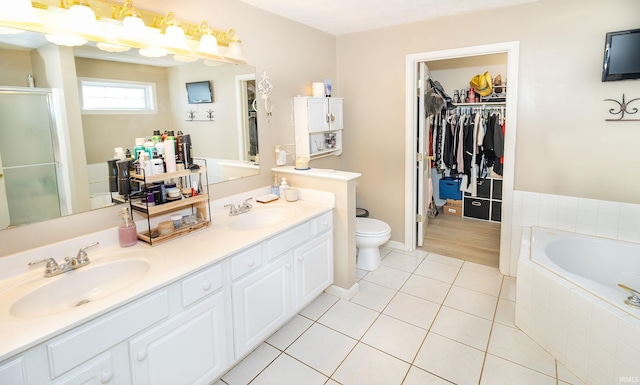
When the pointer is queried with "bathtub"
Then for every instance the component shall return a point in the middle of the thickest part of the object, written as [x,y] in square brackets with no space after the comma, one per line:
[596,264]
[568,301]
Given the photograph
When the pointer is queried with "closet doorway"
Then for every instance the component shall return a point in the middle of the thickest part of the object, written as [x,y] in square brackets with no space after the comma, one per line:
[413,198]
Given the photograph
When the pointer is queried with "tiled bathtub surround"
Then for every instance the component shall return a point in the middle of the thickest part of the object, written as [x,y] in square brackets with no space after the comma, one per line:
[606,219]
[596,341]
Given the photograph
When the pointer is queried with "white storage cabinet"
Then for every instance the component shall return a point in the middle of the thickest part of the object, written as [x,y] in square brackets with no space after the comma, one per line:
[318,123]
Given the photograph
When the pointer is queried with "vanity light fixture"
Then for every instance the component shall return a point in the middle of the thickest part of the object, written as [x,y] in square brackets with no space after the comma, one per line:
[208,42]
[235,52]
[174,38]
[19,13]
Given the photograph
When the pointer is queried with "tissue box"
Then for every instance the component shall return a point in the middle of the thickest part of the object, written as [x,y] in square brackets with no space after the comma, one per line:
[450,188]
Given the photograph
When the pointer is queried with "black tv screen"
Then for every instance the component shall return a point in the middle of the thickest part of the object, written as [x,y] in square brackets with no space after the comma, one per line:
[621,55]
[199,92]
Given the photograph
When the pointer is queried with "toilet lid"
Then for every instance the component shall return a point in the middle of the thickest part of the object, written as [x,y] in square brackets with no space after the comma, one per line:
[370,226]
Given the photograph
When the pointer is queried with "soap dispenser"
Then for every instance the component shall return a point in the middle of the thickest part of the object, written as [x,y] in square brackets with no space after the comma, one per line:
[127,232]
[275,187]
[283,188]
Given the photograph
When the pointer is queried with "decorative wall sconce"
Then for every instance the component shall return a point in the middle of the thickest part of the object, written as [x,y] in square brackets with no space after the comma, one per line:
[623,108]
[264,88]
[119,27]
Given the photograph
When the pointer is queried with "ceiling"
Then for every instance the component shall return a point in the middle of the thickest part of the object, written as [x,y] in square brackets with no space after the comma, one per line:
[340,17]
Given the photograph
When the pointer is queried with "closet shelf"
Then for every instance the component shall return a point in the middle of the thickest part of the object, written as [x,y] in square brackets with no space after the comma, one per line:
[481,104]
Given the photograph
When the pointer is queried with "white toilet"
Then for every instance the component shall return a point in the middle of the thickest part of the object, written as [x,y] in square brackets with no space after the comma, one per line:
[370,234]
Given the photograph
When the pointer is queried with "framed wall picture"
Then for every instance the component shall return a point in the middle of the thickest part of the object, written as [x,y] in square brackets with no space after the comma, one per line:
[199,92]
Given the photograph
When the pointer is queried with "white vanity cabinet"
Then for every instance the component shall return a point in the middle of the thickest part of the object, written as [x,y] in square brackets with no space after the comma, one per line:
[190,347]
[295,267]
[194,329]
[318,125]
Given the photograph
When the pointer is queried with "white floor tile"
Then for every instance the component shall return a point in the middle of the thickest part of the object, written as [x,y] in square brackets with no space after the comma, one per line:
[462,327]
[411,309]
[483,269]
[331,382]
[387,277]
[368,366]
[288,371]
[401,261]
[436,270]
[472,302]
[498,371]
[513,345]
[426,288]
[395,337]
[373,296]
[484,283]
[418,376]
[360,274]
[322,348]
[289,332]
[506,312]
[443,259]
[349,318]
[319,306]
[451,360]
[251,366]
[565,375]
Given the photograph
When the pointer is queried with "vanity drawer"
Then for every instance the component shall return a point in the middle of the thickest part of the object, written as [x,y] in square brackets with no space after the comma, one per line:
[201,284]
[321,224]
[246,261]
[73,348]
[288,240]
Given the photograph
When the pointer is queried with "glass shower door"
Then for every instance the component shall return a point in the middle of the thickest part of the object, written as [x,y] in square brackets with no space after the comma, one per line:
[28,162]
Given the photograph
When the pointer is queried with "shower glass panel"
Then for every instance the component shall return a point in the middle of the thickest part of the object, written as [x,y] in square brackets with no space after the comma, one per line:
[27,158]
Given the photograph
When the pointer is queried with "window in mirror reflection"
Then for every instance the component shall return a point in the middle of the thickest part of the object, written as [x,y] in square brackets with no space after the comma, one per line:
[109,95]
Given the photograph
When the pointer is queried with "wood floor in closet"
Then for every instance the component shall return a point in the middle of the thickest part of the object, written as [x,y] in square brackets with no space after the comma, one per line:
[464,238]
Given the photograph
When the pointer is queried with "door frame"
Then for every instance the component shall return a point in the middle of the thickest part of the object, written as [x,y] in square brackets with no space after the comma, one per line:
[508,246]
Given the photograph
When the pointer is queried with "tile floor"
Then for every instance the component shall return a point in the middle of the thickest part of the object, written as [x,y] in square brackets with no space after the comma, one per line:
[420,319]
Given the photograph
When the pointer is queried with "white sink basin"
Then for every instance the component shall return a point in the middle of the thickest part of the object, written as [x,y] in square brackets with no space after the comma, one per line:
[262,217]
[45,296]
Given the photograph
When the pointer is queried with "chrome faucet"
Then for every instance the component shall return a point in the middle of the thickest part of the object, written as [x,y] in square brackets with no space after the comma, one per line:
[243,208]
[53,268]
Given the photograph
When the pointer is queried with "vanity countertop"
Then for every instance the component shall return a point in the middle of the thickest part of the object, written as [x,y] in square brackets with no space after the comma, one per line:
[170,262]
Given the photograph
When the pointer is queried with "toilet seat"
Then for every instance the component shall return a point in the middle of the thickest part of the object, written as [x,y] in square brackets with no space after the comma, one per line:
[369,227]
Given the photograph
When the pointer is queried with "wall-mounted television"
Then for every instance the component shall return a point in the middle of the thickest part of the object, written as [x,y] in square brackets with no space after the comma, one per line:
[621,55]
[199,92]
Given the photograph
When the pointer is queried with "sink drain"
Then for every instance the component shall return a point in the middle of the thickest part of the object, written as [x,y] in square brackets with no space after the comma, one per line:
[84,301]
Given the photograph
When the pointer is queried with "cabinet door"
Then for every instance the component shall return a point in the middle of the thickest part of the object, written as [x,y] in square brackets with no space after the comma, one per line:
[189,348]
[262,302]
[313,269]
[318,114]
[335,114]
[12,372]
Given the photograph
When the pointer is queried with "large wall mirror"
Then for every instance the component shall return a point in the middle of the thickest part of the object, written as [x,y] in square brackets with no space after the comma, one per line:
[54,152]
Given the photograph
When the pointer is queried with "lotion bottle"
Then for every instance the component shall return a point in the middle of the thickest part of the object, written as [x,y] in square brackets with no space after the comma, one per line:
[283,188]
[127,232]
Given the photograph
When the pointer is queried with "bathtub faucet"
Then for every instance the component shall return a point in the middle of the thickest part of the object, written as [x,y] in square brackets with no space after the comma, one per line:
[634,299]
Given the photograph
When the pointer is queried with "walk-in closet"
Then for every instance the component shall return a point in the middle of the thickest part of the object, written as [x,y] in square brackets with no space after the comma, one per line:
[466,156]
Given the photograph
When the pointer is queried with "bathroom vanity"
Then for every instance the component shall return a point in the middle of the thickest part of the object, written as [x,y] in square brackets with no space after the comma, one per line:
[197,305]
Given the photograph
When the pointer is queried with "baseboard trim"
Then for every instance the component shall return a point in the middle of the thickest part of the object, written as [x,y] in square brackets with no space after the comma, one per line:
[343,293]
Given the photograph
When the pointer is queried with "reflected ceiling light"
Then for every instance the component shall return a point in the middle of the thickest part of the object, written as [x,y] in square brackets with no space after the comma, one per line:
[108,47]
[174,37]
[208,42]
[19,12]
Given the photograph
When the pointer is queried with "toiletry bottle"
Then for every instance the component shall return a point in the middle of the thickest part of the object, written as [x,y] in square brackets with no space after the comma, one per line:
[171,136]
[169,155]
[30,81]
[150,148]
[127,233]
[275,187]
[283,188]
[156,138]
[138,147]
